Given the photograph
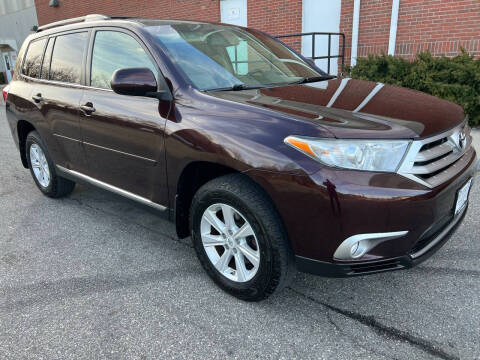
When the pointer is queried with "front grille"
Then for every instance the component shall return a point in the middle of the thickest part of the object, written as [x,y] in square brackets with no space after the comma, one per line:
[434,160]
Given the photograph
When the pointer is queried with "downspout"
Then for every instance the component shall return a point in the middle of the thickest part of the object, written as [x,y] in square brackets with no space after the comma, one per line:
[356,21]
[393,27]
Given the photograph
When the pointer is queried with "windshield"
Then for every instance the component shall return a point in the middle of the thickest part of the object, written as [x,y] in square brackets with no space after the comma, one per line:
[216,56]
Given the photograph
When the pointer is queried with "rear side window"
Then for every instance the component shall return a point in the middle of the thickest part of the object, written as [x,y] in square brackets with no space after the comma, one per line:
[114,50]
[46,59]
[67,57]
[33,59]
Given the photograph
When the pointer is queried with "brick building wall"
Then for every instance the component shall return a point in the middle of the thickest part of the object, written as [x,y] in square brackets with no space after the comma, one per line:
[206,10]
[346,25]
[441,26]
[272,16]
[374,30]
[277,17]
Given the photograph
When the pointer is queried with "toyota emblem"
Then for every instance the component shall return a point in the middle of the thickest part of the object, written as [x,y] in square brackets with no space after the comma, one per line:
[462,137]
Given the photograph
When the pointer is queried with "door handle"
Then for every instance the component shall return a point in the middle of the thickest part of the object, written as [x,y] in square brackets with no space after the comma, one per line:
[87,108]
[37,98]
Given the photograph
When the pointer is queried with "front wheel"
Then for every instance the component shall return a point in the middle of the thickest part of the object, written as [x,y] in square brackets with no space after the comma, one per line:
[239,238]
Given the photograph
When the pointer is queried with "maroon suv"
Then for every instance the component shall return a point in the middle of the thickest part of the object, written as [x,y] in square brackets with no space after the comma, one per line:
[269,164]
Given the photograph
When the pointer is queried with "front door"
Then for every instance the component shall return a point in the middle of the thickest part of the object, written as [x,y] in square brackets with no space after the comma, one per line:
[122,135]
[321,16]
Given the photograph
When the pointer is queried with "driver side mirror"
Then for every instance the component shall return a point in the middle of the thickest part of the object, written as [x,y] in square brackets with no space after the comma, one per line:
[137,82]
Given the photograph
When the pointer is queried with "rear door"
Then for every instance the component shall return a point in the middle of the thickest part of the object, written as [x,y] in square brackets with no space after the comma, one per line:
[57,95]
[20,106]
[123,135]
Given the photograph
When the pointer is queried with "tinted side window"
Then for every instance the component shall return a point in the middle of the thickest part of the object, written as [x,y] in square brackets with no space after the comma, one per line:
[33,59]
[46,59]
[67,57]
[115,50]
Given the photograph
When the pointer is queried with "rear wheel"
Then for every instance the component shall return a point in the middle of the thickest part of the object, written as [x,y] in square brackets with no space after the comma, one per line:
[43,170]
[239,238]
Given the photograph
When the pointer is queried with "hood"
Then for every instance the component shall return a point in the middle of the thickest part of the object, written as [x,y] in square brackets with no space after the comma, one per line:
[351,108]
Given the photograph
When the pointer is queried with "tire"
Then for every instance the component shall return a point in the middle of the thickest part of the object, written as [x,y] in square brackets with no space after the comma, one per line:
[250,206]
[56,186]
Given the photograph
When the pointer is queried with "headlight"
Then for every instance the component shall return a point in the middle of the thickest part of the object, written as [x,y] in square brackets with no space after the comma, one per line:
[372,155]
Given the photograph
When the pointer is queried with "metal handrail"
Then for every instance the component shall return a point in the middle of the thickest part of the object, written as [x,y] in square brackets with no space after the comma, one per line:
[313,35]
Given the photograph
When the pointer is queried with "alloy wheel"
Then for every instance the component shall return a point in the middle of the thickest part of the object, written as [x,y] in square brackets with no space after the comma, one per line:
[230,242]
[39,165]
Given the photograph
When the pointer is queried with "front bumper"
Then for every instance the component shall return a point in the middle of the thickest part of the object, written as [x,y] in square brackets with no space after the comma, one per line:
[416,256]
[321,210]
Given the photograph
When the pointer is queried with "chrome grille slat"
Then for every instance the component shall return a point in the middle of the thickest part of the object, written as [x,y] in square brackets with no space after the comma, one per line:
[435,165]
[451,171]
[432,161]
[434,153]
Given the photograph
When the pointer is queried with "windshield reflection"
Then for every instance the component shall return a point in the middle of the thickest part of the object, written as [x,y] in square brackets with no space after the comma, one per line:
[221,57]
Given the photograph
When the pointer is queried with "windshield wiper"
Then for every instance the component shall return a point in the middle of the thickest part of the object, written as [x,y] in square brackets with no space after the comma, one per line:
[238,87]
[313,79]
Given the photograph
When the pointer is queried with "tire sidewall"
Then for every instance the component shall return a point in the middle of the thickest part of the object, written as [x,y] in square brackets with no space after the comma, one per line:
[255,286]
[34,138]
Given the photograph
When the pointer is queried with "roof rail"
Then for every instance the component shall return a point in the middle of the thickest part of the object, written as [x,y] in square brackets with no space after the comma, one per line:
[86,18]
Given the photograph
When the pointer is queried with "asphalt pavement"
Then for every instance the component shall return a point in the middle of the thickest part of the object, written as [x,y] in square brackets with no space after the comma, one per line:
[95,276]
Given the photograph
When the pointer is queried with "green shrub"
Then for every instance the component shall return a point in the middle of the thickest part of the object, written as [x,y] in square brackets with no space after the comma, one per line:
[2,78]
[456,79]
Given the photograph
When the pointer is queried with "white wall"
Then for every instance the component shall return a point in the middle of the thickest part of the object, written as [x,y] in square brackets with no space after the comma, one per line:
[16,19]
[321,16]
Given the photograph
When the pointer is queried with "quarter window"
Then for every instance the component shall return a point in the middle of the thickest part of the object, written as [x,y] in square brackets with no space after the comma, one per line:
[67,57]
[116,50]
[33,59]
[46,59]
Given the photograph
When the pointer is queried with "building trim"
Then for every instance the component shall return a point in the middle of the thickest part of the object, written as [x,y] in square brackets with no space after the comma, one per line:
[356,23]
[393,27]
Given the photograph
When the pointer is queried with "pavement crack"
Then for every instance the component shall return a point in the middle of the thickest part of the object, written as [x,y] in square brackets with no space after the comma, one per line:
[386,331]
[357,343]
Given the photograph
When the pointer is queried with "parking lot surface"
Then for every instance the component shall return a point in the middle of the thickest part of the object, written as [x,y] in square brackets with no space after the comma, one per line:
[96,276]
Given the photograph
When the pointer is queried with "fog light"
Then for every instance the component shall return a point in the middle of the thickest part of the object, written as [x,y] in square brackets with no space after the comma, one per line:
[359,249]
[358,245]
[354,249]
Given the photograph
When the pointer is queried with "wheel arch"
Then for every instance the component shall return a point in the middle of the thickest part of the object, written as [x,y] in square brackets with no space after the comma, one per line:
[193,176]
[23,129]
